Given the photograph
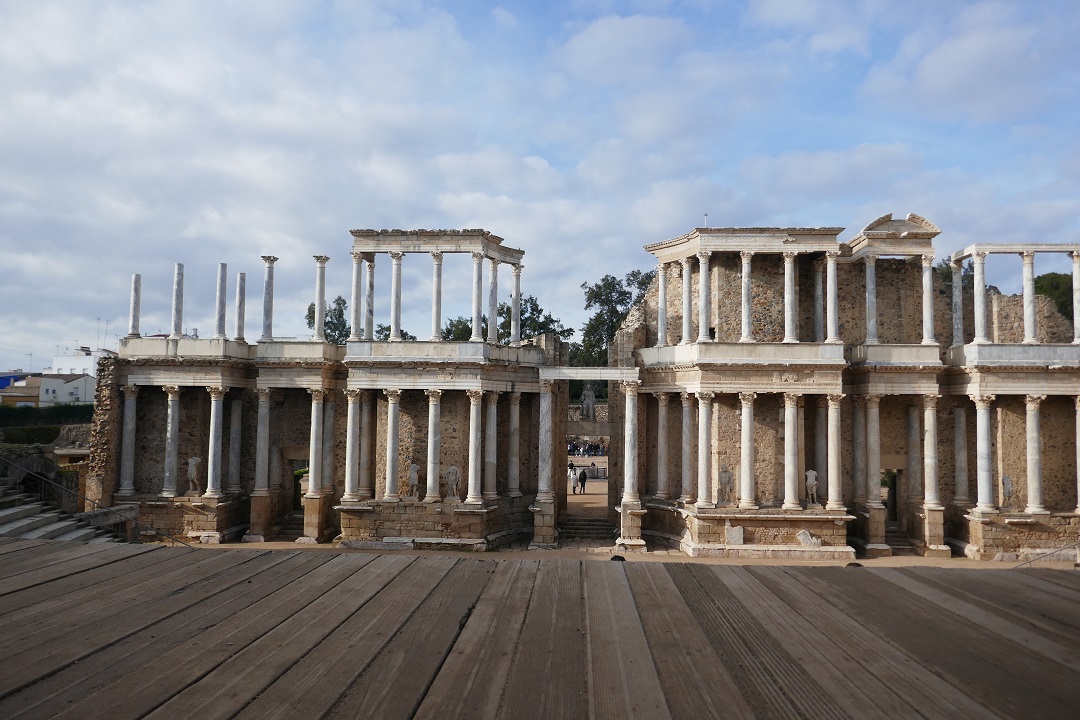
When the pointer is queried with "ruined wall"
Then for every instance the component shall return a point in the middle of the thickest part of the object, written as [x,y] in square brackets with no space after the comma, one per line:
[1007,320]
[104,461]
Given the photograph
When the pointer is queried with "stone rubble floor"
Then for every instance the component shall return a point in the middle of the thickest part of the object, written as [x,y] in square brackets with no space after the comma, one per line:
[129,631]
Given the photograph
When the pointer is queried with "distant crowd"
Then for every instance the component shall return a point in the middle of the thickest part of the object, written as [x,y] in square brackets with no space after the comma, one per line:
[586,449]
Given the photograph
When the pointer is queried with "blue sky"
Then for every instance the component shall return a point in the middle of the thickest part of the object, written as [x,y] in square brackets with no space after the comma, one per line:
[134,135]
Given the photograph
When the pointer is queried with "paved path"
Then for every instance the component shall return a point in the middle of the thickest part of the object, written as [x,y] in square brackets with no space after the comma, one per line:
[122,631]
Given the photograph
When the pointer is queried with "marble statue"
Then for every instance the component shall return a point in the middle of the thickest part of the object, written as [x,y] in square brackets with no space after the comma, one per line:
[588,404]
[452,477]
[811,487]
[193,474]
[414,480]
[725,478]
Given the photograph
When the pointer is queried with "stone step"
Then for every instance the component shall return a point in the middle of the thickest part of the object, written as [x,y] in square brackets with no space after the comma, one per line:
[15,512]
[51,530]
[16,528]
[82,534]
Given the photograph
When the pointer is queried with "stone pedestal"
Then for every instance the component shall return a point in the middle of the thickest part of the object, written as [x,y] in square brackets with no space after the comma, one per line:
[875,533]
[261,522]
[315,519]
[631,515]
[932,543]
[543,525]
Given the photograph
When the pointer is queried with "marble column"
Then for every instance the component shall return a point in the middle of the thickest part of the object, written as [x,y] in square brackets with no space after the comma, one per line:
[236,414]
[172,440]
[241,305]
[1029,297]
[630,442]
[836,490]
[913,490]
[133,308]
[931,492]
[984,478]
[127,442]
[513,469]
[821,440]
[662,492]
[704,451]
[832,314]
[477,304]
[262,445]
[791,452]
[515,305]
[356,327]
[746,300]
[320,299]
[873,451]
[352,444]
[871,299]
[1076,295]
[177,302]
[545,449]
[791,299]
[395,296]
[661,306]
[436,297]
[393,429]
[960,452]
[369,299]
[434,427]
[928,300]
[367,474]
[315,445]
[1034,458]
[493,301]
[747,489]
[858,455]
[957,267]
[475,497]
[819,304]
[491,488]
[687,300]
[275,470]
[268,298]
[687,433]
[213,457]
[704,300]
[328,443]
[979,291]
[219,301]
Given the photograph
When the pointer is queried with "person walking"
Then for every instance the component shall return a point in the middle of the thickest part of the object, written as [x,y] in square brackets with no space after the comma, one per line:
[581,480]
[571,476]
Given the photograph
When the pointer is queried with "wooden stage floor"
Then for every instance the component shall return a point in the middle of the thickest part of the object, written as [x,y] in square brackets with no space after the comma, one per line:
[122,631]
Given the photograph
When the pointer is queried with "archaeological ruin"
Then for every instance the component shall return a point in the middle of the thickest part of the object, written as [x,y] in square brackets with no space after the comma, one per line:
[778,393]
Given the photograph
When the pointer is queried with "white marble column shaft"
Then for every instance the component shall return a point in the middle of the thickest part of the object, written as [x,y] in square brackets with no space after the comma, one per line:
[315,444]
[545,493]
[268,298]
[475,496]
[661,305]
[367,471]
[630,443]
[791,299]
[960,452]
[871,299]
[913,486]
[134,307]
[873,451]
[491,489]
[241,305]
[127,442]
[832,311]
[791,452]
[931,491]
[219,301]
[984,478]
[477,293]
[957,302]
[836,491]
[213,457]
[493,301]
[177,302]
[687,300]
[747,484]
[662,468]
[687,435]
[262,445]
[356,311]
[704,299]
[352,441]
[928,300]
[172,440]
[979,291]
[819,304]
[746,298]
[369,299]
[327,475]
[395,296]
[1076,295]
[1034,457]
[704,465]
[515,305]
[320,299]
[1030,335]
[392,492]
[434,444]
[513,464]
[436,296]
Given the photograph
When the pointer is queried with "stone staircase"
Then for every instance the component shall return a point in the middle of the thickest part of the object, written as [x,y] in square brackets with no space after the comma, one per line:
[292,527]
[583,527]
[23,516]
[899,542]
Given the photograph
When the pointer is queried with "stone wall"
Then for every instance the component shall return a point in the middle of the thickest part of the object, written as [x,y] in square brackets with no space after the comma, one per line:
[1007,320]
[104,461]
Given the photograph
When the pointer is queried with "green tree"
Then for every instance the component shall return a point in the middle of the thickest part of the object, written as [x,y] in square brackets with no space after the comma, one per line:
[1057,287]
[612,298]
[459,329]
[382,333]
[334,323]
[534,321]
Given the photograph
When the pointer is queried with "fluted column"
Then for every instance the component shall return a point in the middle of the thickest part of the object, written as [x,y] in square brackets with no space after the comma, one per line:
[957,267]
[662,446]
[791,299]
[213,457]
[836,490]
[369,299]
[395,296]
[219,301]
[515,305]
[704,299]
[630,443]
[393,428]
[172,438]
[352,445]
[513,470]
[367,475]
[236,413]
[320,299]
[315,444]
[474,496]
[747,489]
[746,300]
[661,306]
[984,477]
[960,454]
[858,455]
[832,314]
[1076,295]
[477,290]
[979,291]
[1034,458]
[928,300]
[127,442]
[873,451]
[871,299]
[241,305]
[436,297]
[356,313]
[819,304]
[493,301]
[268,298]
[931,492]
[704,465]
[687,300]
[1029,297]
[133,308]
[545,449]
[434,444]
[791,452]
[687,488]
[262,445]
[177,302]
[491,489]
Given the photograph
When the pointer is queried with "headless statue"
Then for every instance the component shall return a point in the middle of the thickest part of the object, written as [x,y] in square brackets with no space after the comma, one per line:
[811,487]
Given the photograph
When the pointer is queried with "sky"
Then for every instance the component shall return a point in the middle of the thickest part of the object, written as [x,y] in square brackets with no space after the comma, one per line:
[135,135]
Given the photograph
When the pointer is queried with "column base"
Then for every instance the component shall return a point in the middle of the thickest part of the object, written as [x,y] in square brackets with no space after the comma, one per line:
[432,498]
[1036,510]
[213,494]
[928,341]
[514,494]
[383,499]
[835,506]
[474,501]
[702,505]
[747,505]
[933,506]
[791,506]
[490,496]
[125,492]
[168,493]
[350,498]
[663,495]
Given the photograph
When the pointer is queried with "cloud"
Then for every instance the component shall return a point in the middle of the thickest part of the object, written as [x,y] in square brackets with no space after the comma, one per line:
[622,50]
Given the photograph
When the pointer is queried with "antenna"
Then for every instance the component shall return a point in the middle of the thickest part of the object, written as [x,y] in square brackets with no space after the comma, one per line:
[706,219]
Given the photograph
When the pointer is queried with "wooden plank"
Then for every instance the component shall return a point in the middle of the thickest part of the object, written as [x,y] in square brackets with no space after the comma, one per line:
[121,660]
[1064,578]
[393,684]
[547,673]
[13,546]
[86,557]
[921,687]
[622,676]
[470,682]
[695,681]
[48,553]
[252,671]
